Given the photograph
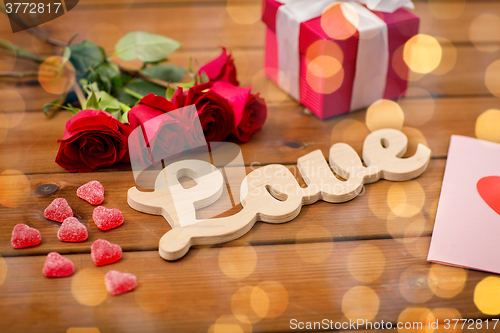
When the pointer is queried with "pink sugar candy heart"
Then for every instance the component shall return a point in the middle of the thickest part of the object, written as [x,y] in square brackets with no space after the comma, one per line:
[106,219]
[58,210]
[72,231]
[104,252]
[92,192]
[57,266]
[118,283]
[24,236]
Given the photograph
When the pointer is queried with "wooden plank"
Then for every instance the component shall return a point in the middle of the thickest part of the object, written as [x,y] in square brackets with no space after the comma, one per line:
[287,135]
[367,216]
[211,25]
[193,293]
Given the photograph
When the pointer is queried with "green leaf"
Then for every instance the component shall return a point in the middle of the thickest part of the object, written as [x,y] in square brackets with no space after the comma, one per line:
[121,95]
[145,46]
[67,53]
[92,102]
[170,93]
[47,106]
[107,102]
[85,55]
[186,85]
[204,77]
[165,72]
[144,88]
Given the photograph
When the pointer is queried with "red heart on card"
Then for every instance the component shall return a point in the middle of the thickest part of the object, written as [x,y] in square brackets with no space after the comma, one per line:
[104,252]
[57,266]
[118,283]
[489,190]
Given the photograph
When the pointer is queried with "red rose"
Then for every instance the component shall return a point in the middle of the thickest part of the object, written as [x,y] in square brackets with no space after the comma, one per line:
[92,139]
[214,111]
[250,110]
[167,130]
[221,69]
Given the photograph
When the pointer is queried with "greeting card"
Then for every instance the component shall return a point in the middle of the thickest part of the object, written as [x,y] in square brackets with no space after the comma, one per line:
[467,225]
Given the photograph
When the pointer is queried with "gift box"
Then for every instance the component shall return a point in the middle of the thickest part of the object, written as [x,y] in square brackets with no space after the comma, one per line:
[344,58]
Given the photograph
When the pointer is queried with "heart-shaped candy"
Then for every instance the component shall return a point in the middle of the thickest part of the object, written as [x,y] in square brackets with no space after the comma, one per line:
[104,252]
[489,190]
[24,236]
[57,266]
[72,231]
[92,192]
[118,283]
[106,219]
[59,210]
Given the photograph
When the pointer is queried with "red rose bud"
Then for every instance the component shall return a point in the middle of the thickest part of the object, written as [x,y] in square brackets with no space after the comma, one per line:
[221,69]
[166,130]
[149,106]
[250,111]
[214,111]
[92,139]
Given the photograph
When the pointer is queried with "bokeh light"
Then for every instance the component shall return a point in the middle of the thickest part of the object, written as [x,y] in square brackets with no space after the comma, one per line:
[3,270]
[250,304]
[352,132]
[12,108]
[384,113]
[492,78]
[484,32]
[366,263]
[277,296]
[413,284]
[487,295]
[237,262]
[323,60]
[414,138]
[415,319]
[422,53]
[446,281]
[242,13]
[441,314]
[149,297]
[56,75]
[324,74]
[334,21]
[87,287]
[241,304]
[405,199]
[15,188]
[360,302]
[448,58]
[377,199]
[417,111]
[406,230]
[418,248]
[445,9]
[314,252]
[488,126]
[229,324]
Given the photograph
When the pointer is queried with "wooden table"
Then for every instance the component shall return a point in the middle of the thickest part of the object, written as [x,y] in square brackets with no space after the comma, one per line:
[334,261]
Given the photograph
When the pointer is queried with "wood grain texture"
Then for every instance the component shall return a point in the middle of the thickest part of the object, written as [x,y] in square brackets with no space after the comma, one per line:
[294,134]
[197,290]
[367,216]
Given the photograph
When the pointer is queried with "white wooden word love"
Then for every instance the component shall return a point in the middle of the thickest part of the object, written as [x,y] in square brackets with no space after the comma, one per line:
[271,193]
